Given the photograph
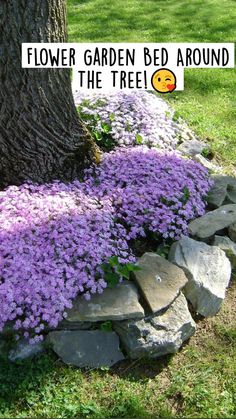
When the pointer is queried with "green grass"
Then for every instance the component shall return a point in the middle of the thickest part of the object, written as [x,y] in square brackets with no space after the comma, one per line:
[208,102]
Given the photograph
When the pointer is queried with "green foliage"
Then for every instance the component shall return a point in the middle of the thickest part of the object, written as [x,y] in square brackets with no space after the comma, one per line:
[102,136]
[186,195]
[106,326]
[163,250]
[176,116]
[139,139]
[227,333]
[114,271]
[88,409]
[206,152]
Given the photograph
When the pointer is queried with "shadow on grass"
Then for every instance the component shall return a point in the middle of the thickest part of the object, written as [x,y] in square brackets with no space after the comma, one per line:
[21,377]
[24,379]
[141,369]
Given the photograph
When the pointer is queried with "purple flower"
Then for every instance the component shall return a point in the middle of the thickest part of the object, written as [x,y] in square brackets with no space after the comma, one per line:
[151,191]
[53,239]
[130,118]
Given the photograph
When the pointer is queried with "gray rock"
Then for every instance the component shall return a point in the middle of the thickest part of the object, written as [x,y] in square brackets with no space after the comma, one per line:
[159,280]
[228,246]
[118,303]
[25,350]
[208,270]
[232,232]
[223,191]
[192,147]
[217,193]
[185,135]
[231,190]
[185,132]
[159,335]
[207,164]
[93,348]
[71,325]
[206,226]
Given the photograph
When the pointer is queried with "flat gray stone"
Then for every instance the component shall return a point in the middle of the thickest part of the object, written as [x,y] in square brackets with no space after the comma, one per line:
[208,271]
[25,350]
[228,246]
[118,303]
[71,325]
[192,147]
[232,232]
[81,348]
[159,335]
[223,191]
[206,226]
[218,192]
[231,190]
[208,164]
[159,280]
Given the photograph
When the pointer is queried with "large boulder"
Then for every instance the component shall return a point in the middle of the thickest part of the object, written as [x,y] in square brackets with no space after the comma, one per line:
[214,221]
[208,271]
[228,246]
[93,348]
[159,280]
[118,303]
[223,191]
[159,334]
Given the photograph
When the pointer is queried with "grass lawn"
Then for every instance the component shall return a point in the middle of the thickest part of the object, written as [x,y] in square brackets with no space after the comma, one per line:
[208,102]
[199,381]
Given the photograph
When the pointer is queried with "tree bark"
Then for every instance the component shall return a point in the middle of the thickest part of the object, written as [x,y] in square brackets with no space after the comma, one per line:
[41,136]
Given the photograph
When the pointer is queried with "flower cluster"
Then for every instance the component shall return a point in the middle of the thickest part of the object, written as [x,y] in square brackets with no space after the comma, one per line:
[151,191]
[53,241]
[129,119]
[57,240]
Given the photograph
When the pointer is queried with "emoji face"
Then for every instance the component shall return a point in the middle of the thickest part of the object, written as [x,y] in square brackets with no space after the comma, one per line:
[164,80]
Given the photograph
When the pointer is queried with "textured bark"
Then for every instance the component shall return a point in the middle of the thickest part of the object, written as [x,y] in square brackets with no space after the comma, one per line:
[41,136]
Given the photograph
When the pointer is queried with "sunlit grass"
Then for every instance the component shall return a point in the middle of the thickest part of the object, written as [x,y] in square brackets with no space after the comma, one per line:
[208,102]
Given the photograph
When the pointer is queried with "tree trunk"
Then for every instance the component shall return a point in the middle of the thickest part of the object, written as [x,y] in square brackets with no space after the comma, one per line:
[41,136]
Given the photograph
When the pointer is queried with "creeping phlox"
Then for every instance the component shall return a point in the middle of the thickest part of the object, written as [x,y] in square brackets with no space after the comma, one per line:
[151,191]
[55,238]
[53,241]
[130,118]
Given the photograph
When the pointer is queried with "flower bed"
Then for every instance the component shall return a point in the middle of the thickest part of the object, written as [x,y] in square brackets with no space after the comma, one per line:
[53,241]
[151,191]
[59,240]
[128,119]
